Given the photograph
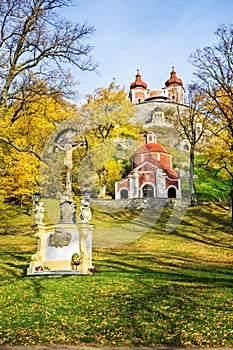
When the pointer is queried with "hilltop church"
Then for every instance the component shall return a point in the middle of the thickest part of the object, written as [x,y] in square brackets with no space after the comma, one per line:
[152,174]
[153,105]
[172,92]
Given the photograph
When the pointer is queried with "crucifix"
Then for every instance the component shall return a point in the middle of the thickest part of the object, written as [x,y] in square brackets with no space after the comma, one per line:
[66,143]
[68,148]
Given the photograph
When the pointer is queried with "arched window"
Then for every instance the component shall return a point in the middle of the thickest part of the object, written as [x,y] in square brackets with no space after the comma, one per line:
[172,192]
[148,191]
[124,194]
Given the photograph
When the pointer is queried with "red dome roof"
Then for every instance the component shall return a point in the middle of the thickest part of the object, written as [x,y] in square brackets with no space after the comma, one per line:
[151,147]
[138,82]
[162,164]
[169,171]
[173,79]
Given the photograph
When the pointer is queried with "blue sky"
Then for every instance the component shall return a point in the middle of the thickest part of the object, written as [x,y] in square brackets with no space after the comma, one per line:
[151,35]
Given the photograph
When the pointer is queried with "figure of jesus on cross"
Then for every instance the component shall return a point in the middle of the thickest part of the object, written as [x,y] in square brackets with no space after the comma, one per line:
[68,148]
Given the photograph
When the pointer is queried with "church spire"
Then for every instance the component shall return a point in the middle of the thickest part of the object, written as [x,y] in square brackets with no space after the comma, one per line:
[173,81]
[138,82]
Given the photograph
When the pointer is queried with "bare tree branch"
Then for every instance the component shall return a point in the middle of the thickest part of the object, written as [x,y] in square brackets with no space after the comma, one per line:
[34,40]
[214,73]
[17,148]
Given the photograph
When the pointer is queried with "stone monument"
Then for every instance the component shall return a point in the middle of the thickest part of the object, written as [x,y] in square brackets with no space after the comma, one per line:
[64,247]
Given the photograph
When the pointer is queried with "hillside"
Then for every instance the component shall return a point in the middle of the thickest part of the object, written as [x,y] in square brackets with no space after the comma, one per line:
[168,287]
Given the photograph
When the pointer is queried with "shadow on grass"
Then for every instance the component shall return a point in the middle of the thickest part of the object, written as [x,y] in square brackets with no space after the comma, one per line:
[211,217]
[172,270]
[202,238]
[171,314]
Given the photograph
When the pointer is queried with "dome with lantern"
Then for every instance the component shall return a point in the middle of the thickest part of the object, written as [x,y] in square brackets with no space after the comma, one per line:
[152,173]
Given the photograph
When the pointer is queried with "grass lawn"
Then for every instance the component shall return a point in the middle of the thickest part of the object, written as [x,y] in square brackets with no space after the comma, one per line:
[164,288]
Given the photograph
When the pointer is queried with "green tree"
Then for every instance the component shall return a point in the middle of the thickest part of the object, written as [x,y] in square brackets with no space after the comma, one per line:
[214,74]
[106,115]
[219,157]
[100,169]
[192,125]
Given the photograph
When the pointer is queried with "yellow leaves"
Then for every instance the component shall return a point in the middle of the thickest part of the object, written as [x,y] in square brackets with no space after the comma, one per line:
[29,132]
[107,107]
[106,116]
[220,153]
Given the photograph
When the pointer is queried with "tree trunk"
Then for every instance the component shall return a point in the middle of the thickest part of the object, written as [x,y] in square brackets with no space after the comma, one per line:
[102,181]
[102,192]
[231,202]
[191,177]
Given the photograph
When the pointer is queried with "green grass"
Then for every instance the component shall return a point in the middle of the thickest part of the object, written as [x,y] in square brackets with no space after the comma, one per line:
[162,289]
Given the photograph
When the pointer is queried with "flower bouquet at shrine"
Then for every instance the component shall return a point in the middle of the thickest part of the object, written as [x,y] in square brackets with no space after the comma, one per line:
[75,261]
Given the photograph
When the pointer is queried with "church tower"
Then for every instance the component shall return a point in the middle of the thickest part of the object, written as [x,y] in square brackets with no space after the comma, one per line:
[174,87]
[138,90]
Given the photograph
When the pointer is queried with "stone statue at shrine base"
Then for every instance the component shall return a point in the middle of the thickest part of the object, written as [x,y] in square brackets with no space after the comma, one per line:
[58,245]
[66,247]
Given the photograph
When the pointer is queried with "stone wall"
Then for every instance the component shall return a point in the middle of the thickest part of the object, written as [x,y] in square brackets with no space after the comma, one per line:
[144,109]
[140,203]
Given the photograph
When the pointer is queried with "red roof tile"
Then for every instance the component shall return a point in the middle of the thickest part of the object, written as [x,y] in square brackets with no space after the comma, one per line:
[173,79]
[138,82]
[151,147]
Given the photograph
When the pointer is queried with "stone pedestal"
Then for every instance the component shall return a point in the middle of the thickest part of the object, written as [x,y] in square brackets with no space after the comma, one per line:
[56,245]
